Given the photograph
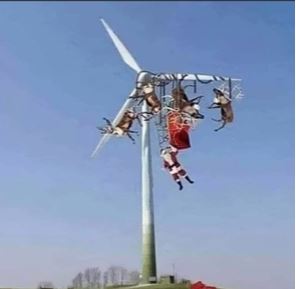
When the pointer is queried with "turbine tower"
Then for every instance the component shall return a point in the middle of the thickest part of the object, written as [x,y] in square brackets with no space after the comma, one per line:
[149,274]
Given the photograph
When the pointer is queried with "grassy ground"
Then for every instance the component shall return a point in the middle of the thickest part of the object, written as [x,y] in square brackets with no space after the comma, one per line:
[148,286]
[154,286]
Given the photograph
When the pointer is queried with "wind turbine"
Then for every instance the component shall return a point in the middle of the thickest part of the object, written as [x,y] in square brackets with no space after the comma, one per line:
[149,273]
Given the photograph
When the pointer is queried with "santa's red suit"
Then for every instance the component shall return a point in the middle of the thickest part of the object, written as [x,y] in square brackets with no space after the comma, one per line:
[171,163]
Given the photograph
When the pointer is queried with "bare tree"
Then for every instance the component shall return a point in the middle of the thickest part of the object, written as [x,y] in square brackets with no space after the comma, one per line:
[113,276]
[123,273]
[95,277]
[98,276]
[87,278]
[105,279]
[45,285]
[78,281]
[134,277]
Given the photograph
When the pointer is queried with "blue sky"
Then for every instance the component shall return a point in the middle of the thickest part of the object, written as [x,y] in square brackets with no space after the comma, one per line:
[61,211]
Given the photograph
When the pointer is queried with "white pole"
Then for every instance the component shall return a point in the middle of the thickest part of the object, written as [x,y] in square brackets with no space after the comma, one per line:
[148,235]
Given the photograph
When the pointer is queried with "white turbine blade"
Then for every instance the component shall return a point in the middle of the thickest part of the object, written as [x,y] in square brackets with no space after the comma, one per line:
[125,54]
[106,137]
[194,76]
[102,141]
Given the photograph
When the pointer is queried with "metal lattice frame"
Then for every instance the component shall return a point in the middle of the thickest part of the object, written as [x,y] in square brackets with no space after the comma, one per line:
[161,120]
[232,88]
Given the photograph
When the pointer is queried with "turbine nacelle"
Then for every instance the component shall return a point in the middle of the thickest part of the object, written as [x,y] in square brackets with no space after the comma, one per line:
[143,78]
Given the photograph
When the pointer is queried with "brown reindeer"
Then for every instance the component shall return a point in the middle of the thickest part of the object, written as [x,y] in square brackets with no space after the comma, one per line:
[224,103]
[184,105]
[148,94]
[123,126]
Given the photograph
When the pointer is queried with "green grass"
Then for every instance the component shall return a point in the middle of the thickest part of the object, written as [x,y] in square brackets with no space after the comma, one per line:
[154,286]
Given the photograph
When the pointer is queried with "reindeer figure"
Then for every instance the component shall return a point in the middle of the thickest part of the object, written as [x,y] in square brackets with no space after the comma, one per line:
[224,103]
[123,126]
[184,105]
[148,94]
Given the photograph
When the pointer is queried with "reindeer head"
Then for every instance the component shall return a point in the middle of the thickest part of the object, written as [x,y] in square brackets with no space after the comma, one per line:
[194,108]
[220,97]
[196,113]
[130,113]
[148,88]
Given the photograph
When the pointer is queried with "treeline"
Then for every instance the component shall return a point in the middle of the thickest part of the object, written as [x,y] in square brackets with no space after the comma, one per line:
[114,275]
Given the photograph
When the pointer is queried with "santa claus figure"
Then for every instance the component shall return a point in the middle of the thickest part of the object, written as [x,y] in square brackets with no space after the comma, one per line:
[171,163]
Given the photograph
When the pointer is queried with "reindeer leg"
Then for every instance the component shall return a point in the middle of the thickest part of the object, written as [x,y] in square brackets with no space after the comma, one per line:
[102,129]
[133,131]
[130,137]
[146,118]
[107,121]
[212,106]
[135,97]
[218,120]
[141,101]
[220,126]
[139,121]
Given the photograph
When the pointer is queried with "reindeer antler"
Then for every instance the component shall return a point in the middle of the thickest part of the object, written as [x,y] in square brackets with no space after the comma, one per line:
[198,98]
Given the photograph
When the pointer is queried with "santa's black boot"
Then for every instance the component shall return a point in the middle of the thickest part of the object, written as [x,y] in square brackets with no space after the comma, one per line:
[180,185]
[188,179]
